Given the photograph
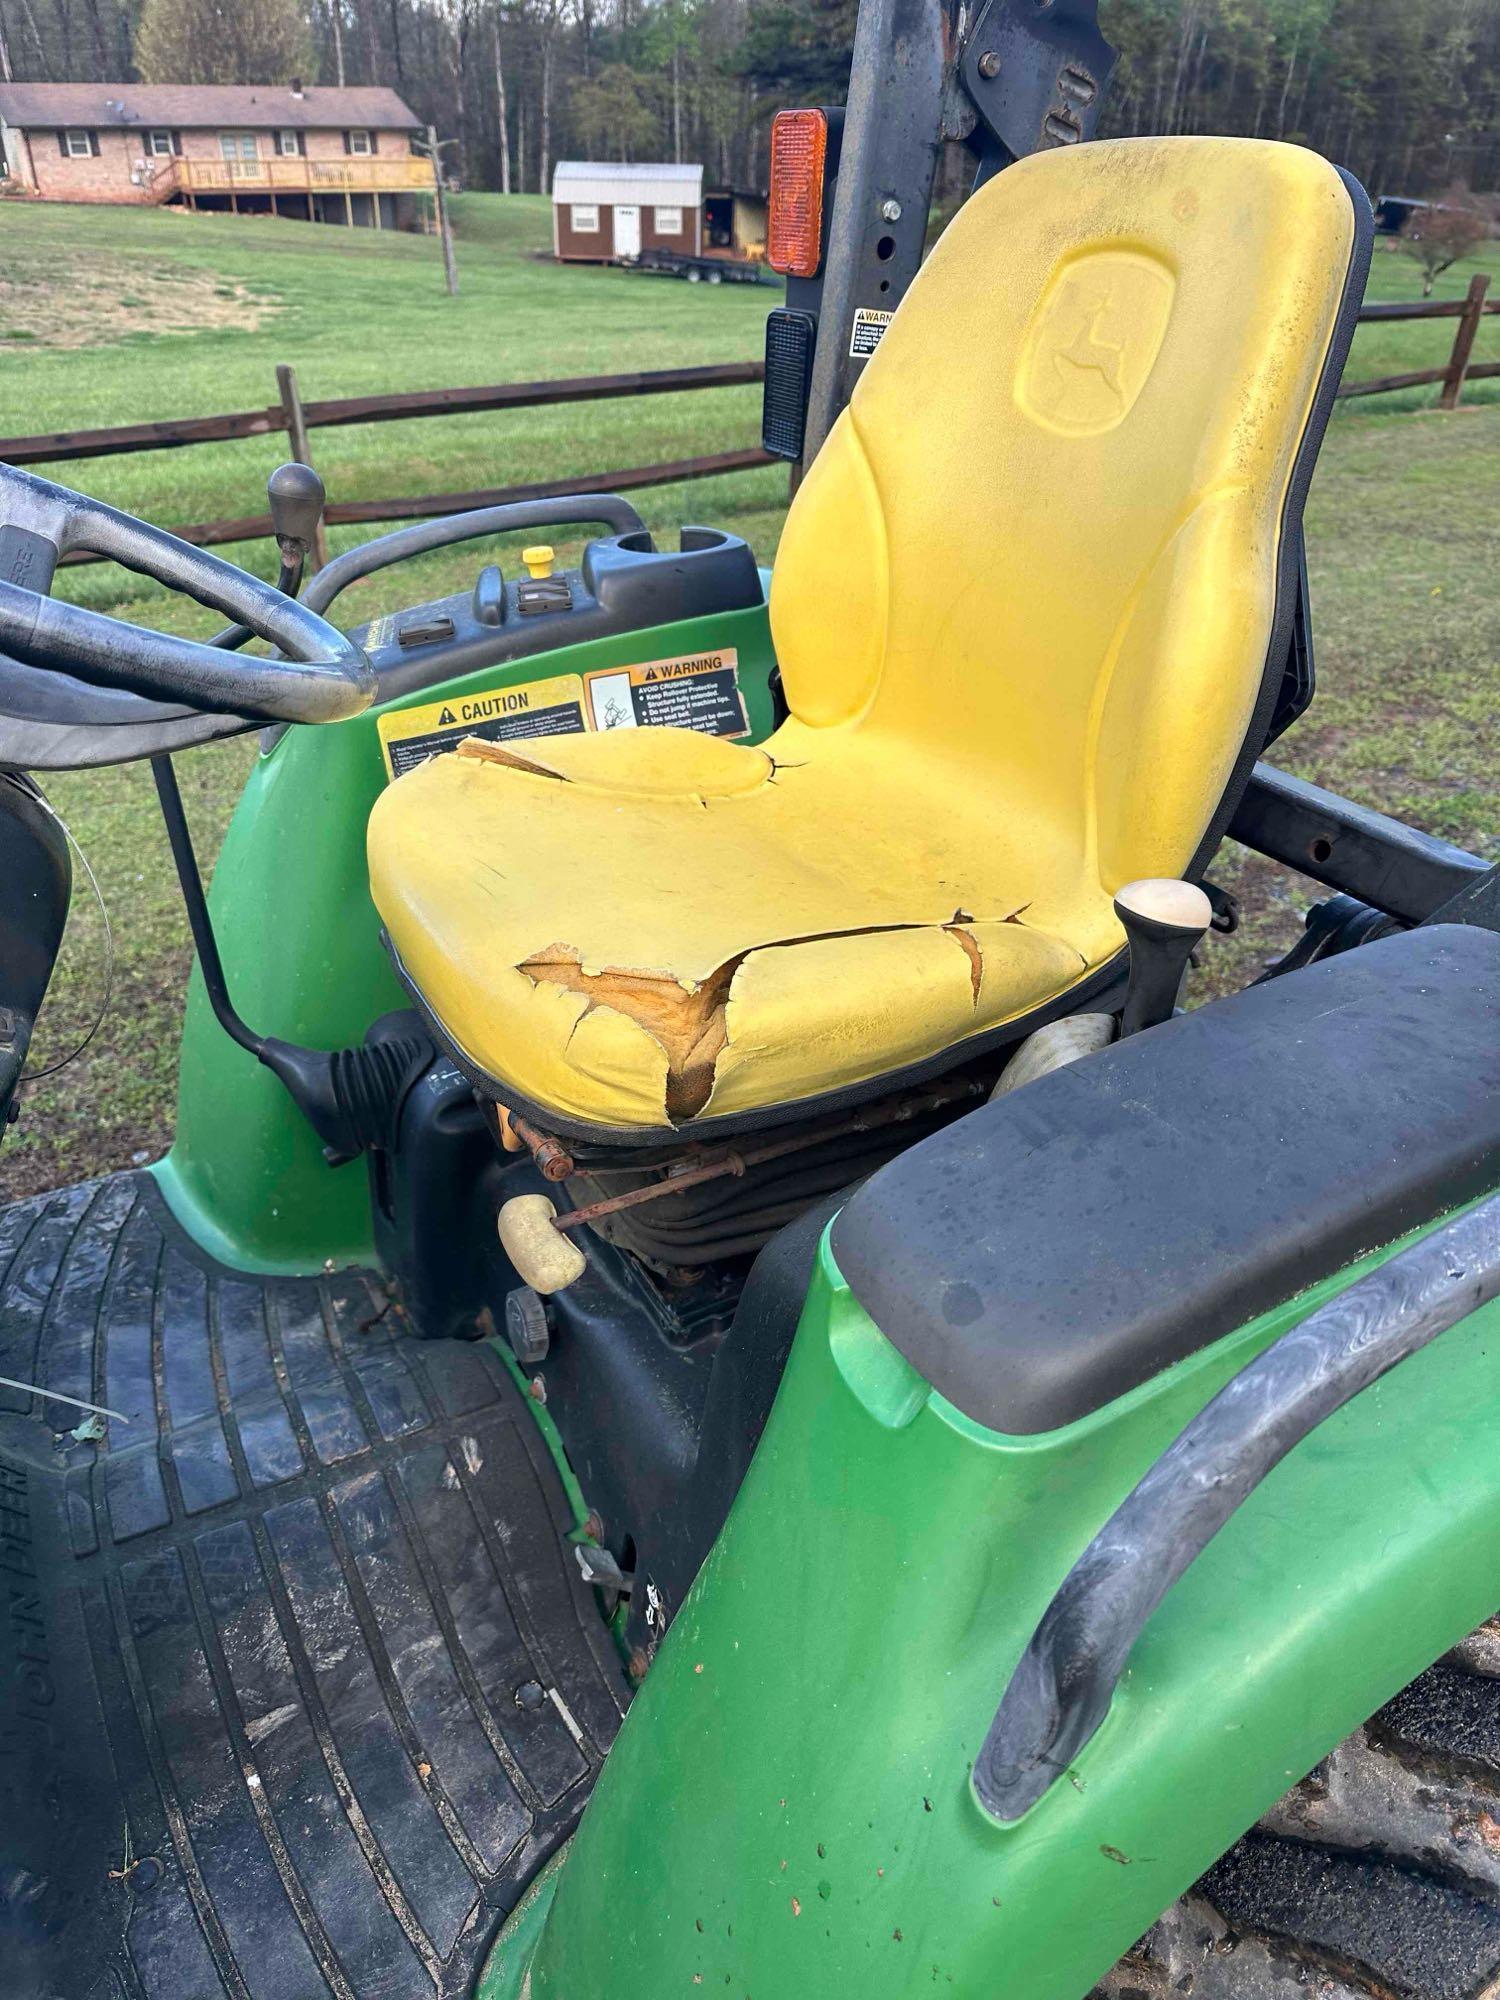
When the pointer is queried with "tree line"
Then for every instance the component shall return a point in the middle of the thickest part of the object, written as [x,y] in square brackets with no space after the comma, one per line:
[1404,92]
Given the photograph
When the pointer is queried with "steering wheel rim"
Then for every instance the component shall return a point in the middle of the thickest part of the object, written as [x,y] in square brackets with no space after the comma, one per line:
[323,676]
[550,511]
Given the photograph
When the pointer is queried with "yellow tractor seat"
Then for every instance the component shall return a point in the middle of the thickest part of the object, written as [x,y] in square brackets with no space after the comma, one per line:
[1031,608]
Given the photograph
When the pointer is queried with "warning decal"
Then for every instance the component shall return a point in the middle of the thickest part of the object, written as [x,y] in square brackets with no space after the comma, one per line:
[501,715]
[692,691]
[869,325]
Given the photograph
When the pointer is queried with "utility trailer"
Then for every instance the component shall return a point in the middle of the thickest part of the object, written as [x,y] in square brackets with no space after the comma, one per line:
[701,270]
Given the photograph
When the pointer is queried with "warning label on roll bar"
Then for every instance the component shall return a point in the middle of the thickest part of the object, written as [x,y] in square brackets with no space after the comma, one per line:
[501,715]
[868,327]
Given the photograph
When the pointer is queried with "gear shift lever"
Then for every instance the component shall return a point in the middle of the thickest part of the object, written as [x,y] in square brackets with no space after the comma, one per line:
[1164,919]
[296,496]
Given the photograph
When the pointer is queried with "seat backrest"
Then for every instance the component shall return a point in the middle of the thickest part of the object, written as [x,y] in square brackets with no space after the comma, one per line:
[1052,537]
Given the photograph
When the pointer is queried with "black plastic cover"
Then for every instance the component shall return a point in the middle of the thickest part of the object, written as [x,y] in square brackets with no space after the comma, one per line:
[1046,1254]
[790,338]
[1299,679]
[36,885]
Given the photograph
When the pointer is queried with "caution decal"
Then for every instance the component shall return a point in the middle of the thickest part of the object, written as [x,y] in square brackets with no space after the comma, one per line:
[501,715]
[691,691]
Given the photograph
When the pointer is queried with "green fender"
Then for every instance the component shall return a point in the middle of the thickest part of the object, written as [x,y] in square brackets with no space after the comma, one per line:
[300,940]
[787,1811]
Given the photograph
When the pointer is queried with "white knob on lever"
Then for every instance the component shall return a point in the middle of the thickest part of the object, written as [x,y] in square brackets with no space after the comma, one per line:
[1164,919]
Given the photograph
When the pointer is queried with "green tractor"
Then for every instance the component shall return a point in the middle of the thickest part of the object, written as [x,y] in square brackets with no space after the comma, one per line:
[719,1390]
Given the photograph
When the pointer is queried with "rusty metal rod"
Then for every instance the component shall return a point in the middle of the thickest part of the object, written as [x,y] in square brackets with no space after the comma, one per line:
[893,1112]
[553,1160]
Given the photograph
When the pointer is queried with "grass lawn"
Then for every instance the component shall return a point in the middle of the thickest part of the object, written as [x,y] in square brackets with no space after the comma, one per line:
[356,311]
[1402,527]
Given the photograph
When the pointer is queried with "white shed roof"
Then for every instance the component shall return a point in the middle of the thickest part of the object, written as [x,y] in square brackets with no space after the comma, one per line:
[667,182]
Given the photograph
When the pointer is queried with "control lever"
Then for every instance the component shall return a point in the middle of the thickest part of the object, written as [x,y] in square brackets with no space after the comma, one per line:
[1164,920]
[489,596]
[348,1096]
[296,495]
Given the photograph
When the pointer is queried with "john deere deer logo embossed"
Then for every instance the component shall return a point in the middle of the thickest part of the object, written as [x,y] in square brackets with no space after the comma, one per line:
[1093,341]
[1087,350]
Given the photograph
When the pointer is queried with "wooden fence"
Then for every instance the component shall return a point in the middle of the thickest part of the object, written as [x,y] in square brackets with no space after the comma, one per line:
[1460,366]
[297,418]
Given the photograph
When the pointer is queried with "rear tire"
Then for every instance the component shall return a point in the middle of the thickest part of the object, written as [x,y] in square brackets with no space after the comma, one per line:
[1378,1875]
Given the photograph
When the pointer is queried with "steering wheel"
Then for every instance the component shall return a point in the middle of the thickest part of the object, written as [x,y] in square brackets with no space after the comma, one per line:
[323,677]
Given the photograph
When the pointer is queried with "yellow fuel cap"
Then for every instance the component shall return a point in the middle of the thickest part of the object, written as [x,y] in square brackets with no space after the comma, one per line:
[538,560]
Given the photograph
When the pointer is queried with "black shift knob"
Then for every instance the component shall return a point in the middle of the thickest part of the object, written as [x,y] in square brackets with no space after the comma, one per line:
[296,495]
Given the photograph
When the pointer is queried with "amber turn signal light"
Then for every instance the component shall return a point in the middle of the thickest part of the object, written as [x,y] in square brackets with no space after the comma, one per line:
[799,145]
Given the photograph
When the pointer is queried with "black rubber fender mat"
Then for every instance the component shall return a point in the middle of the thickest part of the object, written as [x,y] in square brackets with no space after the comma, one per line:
[299,1683]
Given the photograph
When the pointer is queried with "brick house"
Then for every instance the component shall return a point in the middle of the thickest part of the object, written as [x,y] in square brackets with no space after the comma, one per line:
[604,212]
[321,155]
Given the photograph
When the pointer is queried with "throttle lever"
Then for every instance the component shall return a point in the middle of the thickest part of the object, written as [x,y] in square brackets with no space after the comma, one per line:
[296,495]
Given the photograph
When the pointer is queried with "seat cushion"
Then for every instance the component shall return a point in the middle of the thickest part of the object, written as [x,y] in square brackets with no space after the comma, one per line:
[627,955]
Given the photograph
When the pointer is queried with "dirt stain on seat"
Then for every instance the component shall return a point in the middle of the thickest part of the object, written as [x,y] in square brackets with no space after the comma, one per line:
[479,750]
[971,951]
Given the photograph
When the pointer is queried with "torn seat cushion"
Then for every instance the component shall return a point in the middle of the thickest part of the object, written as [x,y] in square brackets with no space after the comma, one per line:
[634,957]
[1030,609]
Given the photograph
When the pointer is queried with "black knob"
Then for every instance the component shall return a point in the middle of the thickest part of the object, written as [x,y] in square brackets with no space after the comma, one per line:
[528,1326]
[1164,919]
[296,495]
[489,596]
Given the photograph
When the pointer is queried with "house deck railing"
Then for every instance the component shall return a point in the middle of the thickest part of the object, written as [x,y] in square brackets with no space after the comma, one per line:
[358,174]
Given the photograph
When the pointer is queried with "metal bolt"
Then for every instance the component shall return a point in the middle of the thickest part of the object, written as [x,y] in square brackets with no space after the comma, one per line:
[989,64]
[554,1160]
[142,1876]
[593,1527]
[891,211]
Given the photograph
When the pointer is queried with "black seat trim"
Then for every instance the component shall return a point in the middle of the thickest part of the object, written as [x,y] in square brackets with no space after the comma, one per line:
[1042,1256]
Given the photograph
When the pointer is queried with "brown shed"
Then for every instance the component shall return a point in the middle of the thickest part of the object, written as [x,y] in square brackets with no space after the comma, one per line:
[607,212]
